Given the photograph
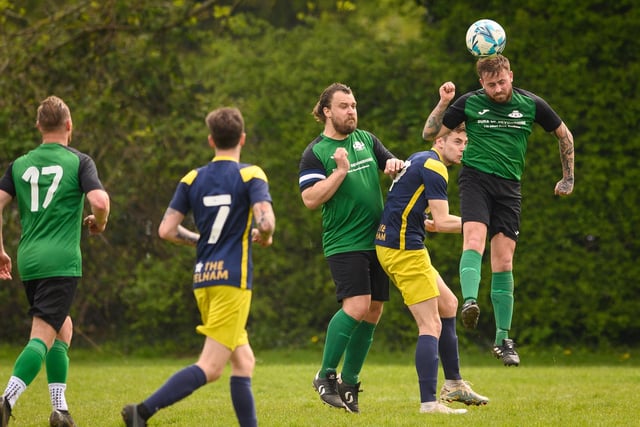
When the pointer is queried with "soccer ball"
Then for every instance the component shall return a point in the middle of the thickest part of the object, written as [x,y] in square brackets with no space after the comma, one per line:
[486,37]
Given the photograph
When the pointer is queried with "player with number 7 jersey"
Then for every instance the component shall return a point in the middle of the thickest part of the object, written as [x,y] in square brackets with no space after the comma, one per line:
[220,195]
[231,207]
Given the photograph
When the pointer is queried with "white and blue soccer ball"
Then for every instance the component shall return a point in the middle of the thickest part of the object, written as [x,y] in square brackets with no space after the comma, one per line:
[485,38]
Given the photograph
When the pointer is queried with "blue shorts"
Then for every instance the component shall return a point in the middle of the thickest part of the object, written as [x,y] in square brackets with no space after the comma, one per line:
[358,273]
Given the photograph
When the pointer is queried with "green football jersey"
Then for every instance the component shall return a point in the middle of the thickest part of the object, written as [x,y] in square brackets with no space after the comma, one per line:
[49,184]
[351,217]
[498,133]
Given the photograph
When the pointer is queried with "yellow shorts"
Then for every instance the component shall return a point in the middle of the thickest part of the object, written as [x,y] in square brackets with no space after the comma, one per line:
[224,311]
[411,271]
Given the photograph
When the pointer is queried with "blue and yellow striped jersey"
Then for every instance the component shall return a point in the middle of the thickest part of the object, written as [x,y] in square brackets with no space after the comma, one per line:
[423,178]
[221,195]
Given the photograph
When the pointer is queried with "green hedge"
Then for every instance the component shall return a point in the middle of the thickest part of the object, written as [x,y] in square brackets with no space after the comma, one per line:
[140,79]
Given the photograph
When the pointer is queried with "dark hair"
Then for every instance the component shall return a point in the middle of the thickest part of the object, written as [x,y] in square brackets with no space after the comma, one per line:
[226,126]
[325,100]
[492,65]
[52,114]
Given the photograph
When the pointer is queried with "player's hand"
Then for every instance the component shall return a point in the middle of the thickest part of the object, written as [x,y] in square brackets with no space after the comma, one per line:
[258,238]
[564,187]
[447,92]
[5,266]
[393,166]
[341,158]
[92,224]
[430,225]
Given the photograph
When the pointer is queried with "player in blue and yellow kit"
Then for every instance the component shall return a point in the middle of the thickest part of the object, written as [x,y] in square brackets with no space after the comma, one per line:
[421,188]
[231,206]
[499,119]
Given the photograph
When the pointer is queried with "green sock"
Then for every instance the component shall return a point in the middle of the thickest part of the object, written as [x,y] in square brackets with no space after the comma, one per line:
[357,351]
[339,333]
[502,299]
[470,267]
[29,362]
[58,363]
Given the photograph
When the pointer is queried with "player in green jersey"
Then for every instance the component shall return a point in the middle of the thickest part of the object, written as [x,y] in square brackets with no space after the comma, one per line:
[339,173]
[499,119]
[50,184]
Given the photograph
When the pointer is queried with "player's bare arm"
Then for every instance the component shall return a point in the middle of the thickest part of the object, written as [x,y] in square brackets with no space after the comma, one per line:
[100,208]
[320,192]
[171,229]
[442,221]
[265,221]
[433,128]
[564,187]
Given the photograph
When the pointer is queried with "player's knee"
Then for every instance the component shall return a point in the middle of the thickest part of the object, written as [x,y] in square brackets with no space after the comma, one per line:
[66,331]
[243,367]
[212,372]
[375,312]
[448,307]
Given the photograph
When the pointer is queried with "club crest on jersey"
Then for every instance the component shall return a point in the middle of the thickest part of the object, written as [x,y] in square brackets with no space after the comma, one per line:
[515,114]
[358,145]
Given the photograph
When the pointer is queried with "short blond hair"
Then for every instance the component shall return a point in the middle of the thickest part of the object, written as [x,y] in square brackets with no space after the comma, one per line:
[52,114]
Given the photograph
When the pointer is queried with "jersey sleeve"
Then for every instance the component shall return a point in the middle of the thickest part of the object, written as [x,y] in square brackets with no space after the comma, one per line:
[455,113]
[6,182]
[435,177]
[257,183]
[545,115]
[180,200]
[88,174]
[311,169]
[381,152]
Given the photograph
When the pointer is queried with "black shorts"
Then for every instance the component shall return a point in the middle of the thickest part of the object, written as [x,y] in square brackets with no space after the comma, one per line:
[359,273]
[50,298]
[491,200]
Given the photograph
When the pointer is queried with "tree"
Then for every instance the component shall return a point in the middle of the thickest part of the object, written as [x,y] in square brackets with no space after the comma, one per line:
[140,78]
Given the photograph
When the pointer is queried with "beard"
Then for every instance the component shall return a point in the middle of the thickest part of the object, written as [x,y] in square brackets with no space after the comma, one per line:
[503,97]
[345,127]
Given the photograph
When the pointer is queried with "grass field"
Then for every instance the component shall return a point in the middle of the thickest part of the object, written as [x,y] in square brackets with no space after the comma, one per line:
[561,389]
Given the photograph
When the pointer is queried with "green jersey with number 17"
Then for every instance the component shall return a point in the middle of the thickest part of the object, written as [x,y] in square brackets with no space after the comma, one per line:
[49,184]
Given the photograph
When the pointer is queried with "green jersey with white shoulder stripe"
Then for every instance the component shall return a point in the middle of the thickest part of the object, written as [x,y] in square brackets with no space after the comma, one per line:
[351,217]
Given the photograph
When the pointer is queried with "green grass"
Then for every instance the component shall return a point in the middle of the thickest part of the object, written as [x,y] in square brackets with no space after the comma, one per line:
[563,389]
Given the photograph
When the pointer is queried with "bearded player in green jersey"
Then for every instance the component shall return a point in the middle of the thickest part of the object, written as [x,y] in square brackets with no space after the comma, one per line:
[49,184]
[499,119]
[339,173]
